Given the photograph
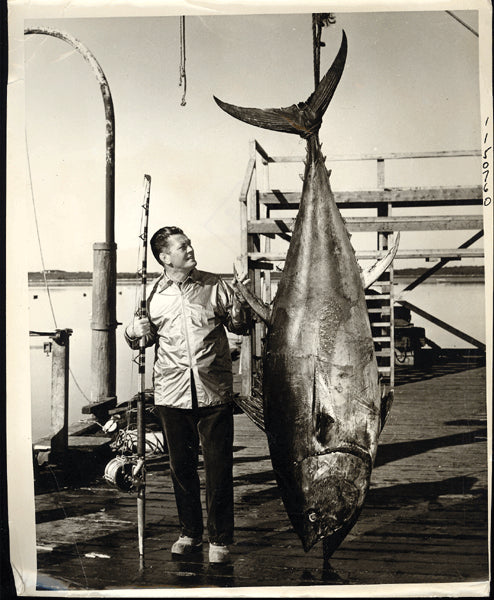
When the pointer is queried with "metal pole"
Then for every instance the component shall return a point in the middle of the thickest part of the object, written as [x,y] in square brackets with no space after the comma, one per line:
[103,356]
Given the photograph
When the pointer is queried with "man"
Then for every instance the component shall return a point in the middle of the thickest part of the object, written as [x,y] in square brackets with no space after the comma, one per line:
[188,311]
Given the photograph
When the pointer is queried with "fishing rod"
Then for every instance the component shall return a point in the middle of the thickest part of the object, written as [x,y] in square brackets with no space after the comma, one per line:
[139,472]
[128,471]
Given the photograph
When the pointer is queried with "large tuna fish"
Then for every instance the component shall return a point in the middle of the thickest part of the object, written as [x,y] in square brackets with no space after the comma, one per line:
[322,398]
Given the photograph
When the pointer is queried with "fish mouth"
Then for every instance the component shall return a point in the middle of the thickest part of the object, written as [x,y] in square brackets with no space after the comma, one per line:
[335,483]
[353,449]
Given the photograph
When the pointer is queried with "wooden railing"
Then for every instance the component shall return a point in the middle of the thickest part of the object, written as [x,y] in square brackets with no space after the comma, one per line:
[258,228]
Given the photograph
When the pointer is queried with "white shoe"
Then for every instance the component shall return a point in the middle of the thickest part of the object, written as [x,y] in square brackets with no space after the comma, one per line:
[218,553]
[187,545]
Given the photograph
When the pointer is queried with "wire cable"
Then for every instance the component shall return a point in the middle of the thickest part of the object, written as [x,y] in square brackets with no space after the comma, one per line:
[38,233]
[47,287]
[462,22]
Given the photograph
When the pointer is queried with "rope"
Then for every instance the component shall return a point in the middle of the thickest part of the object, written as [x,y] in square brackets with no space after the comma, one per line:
[77,384]
[471,29]
[125,443]
[183,76]
[38,234]
[319,20]
[316,48]
[47,287]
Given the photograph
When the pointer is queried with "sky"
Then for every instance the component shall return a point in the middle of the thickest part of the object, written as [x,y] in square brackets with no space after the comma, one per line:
[411,83]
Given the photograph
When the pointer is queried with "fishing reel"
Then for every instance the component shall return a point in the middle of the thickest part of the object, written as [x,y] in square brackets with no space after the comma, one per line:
[112,425]
[125,472]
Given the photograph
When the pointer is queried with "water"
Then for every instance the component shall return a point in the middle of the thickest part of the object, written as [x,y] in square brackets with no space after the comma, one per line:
[459,304]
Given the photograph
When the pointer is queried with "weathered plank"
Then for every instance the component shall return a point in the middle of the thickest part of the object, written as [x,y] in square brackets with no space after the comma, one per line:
[432,196]
[376,157]
[378,224]
[451,253]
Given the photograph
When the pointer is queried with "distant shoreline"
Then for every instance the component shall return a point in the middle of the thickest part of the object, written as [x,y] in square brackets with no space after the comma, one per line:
[462,274]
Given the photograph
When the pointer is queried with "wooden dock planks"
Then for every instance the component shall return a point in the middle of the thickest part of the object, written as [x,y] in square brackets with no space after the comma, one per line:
[424,521]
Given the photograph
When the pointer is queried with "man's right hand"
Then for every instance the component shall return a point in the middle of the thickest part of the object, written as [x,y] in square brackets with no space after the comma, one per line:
[139,327]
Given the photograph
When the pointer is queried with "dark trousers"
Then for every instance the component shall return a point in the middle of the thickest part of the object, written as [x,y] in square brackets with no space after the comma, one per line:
[213,428]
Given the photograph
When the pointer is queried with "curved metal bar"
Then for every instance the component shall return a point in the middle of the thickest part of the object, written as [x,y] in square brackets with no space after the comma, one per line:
[104,323]
[109,117]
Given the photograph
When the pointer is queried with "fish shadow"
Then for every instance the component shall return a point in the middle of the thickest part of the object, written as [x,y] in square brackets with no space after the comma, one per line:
[270,492]
[390,452]
[445,362]
[256,478]
[467,423]
[327,576]
[406,494]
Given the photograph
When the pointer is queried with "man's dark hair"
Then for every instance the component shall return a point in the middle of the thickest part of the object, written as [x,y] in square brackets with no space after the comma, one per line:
[160,240]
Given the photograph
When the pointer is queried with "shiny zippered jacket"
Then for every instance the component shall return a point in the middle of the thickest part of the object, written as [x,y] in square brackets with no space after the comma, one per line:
[188,323]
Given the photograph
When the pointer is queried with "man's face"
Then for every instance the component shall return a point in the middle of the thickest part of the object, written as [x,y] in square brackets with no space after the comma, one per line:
[179,253]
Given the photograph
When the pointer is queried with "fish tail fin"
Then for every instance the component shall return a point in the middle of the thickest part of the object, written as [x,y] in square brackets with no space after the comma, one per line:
[303,119]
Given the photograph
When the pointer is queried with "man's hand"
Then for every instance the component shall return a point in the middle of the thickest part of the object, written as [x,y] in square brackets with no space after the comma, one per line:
[239,273]
[139,327]
[239,276]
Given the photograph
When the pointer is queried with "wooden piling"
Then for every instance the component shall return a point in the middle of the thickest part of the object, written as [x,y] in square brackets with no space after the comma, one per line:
[60,392]
[103,358]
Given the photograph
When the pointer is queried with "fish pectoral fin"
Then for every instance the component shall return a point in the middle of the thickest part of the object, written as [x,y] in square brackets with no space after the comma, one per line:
[256,304]
[372,274]
[323,427]
[386,403]
[322,421]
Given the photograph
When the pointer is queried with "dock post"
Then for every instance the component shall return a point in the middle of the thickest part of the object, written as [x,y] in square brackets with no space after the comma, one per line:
[103,358]
[60,392]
